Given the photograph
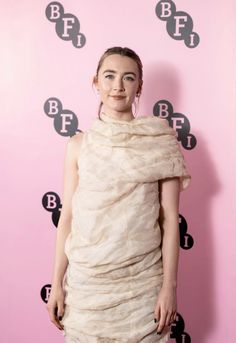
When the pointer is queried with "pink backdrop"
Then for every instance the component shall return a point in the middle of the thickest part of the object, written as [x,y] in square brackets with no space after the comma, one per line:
[199,82]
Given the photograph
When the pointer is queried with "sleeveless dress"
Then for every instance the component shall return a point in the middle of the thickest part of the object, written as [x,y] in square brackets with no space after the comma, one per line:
[115,268]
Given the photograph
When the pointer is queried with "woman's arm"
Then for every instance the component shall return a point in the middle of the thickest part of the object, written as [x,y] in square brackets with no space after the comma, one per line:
[169,223]
[71,180]
[55,304]
[166,306]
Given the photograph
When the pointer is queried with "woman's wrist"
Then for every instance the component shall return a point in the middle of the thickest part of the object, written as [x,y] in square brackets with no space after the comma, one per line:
[169,285]
[57,283]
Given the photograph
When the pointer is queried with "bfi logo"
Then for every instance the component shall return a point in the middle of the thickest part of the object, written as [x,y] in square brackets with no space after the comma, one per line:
[179,24]
[186,240]
[178,121]
[51,202]
[177,330]
[65,121]
[67,24]
[45,292]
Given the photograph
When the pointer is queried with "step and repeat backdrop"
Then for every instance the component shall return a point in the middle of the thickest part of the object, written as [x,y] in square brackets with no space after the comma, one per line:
[49,55]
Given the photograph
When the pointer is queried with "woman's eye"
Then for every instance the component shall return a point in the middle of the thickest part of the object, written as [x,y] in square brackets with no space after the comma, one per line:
[109,76]
[129,78]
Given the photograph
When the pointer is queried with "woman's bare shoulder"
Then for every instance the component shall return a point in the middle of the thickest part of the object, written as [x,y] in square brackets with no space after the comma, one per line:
[74,144]
[76,139]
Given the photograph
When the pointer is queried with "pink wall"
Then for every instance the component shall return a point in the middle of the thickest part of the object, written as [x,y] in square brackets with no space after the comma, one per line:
[199,82]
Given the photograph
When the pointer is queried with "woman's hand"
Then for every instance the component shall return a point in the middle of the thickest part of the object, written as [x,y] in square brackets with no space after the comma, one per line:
[55,306]
[166,307]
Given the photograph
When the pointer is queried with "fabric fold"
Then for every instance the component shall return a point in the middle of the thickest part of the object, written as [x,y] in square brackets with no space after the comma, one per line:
[147,148]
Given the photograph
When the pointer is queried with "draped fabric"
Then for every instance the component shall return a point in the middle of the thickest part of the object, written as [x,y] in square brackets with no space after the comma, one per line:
[115,267]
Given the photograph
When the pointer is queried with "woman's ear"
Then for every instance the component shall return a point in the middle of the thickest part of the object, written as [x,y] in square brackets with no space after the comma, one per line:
[95,82]
[140,87]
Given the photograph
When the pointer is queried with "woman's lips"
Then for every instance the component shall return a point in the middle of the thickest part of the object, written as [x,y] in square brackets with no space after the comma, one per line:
[117,97]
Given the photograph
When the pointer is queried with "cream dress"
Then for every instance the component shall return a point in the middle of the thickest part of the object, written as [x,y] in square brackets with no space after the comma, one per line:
[115,268]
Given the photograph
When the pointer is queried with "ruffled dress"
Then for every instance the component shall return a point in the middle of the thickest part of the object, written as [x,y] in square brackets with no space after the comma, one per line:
[115,267]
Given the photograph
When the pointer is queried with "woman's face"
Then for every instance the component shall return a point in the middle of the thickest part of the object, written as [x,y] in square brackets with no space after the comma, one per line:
[118,83]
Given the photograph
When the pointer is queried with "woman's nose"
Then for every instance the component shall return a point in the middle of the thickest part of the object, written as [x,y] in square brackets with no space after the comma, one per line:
[118,85]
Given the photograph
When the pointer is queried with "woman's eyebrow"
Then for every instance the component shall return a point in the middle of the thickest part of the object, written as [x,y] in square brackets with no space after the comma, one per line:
[130,72]
[109,71]
[113,71]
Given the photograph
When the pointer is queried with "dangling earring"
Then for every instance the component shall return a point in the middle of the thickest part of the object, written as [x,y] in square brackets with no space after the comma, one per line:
[135,108]
[136,104]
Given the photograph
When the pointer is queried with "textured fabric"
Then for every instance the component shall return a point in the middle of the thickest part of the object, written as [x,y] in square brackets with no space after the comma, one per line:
[115,267]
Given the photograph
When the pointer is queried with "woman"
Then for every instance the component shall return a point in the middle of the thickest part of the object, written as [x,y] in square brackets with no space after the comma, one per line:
[118,234]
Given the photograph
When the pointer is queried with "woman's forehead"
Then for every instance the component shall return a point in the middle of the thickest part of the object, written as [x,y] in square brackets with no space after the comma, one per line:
[119,63]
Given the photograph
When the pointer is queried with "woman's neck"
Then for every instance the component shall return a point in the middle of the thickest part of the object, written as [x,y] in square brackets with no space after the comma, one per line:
[125,116]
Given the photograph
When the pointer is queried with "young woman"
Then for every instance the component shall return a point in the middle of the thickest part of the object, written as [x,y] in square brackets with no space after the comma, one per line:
[118,233]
